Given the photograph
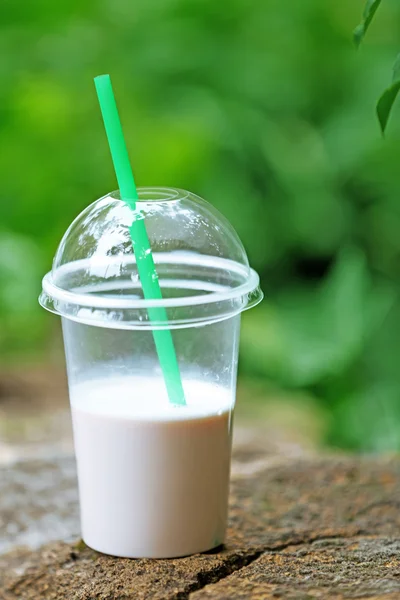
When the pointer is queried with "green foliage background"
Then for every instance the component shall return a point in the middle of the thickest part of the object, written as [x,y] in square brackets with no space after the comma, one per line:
[265,109]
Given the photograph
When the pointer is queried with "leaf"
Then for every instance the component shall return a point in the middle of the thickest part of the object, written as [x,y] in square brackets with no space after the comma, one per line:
[385,104]
[316,333]
[386,101]
[324,332]
[369,11]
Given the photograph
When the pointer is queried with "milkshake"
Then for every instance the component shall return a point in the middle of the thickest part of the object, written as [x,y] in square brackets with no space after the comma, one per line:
[153,477]
[152,376]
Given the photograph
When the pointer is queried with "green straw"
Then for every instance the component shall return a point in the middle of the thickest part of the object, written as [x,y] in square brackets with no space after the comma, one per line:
[140,241]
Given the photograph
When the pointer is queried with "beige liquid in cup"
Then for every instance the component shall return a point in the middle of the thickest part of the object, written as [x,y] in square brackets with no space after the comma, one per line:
[153,477]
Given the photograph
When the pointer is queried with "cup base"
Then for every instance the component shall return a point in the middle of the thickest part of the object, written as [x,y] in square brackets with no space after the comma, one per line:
[104,549]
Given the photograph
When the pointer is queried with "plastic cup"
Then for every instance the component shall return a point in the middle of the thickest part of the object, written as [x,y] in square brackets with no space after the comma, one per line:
[153,476]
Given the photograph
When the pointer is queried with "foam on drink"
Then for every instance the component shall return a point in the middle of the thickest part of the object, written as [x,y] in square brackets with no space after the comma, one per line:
[153,477]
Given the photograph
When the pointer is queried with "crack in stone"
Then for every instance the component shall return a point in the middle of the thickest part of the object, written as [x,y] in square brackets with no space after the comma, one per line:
[205,578]
[238,562]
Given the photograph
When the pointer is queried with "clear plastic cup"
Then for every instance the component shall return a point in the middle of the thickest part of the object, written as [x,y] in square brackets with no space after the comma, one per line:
[153,477]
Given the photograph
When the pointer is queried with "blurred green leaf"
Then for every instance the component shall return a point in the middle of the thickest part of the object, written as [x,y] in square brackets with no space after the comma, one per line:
[369,419]
[385,104]
[317,333]
[20,261]
[324,331]
[21,319]
[261,342]
[386,101]
[369,11]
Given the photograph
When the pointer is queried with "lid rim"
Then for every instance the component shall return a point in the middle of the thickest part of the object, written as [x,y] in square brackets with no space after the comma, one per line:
[57,293]
[150,325]
[249,276]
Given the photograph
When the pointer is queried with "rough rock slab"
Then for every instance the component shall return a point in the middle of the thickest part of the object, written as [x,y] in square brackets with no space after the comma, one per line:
[38,503]
[327,528]
[361,567]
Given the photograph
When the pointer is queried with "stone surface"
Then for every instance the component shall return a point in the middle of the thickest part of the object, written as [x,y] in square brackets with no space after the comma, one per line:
[362,567]
[38,503]
[299,528]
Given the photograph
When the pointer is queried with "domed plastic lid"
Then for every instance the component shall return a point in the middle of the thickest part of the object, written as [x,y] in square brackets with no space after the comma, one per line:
[201,264]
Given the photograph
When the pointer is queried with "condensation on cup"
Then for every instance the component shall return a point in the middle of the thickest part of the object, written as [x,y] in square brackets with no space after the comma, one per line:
[153,476]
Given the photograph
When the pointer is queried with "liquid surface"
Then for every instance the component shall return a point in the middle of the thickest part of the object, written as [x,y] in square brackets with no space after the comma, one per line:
[147,398]
[153,477]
